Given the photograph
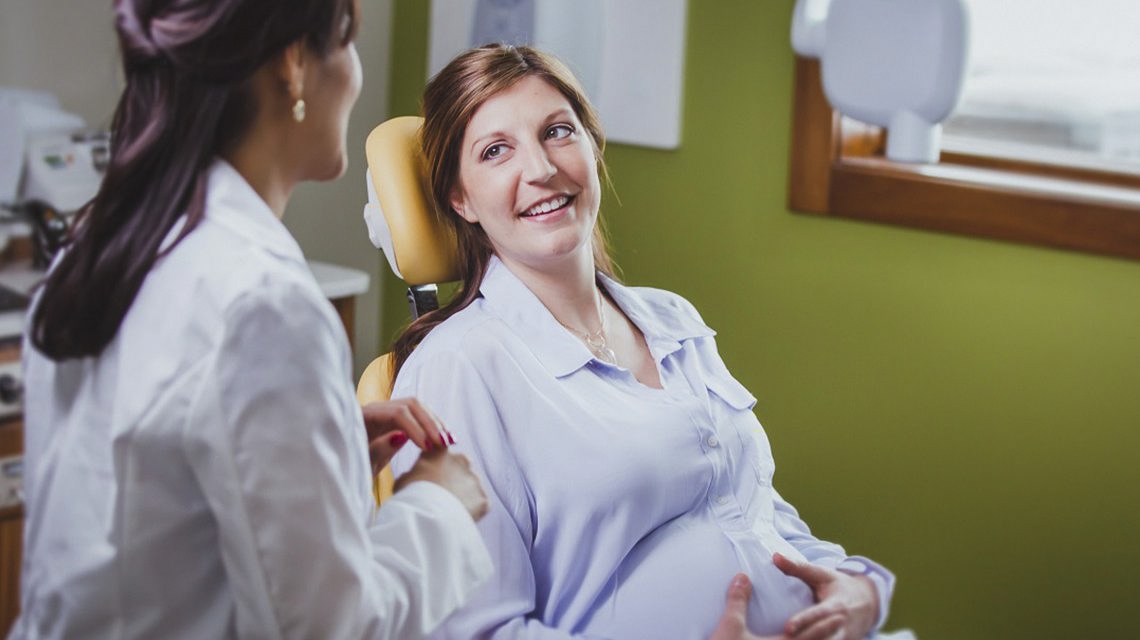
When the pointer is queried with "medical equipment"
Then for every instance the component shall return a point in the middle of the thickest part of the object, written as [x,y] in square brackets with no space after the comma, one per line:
[65,169]
[11,481]
[420,248]
[898,64]
[50,166]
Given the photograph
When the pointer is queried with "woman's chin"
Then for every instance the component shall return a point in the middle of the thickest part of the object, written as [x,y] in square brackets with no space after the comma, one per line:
[332,170]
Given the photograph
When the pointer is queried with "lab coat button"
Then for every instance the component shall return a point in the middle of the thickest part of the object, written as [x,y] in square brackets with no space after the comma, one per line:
[722,500]
[712,442]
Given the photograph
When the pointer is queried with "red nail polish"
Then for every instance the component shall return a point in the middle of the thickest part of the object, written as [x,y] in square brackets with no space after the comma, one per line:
[450,438]
[398,440]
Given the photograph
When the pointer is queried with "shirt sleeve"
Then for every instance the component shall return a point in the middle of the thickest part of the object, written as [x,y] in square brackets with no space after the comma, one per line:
[276,441]
[786,519]
[792,528]
[506,607]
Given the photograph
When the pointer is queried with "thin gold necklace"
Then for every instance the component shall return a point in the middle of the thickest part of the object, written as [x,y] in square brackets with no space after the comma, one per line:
[596,341]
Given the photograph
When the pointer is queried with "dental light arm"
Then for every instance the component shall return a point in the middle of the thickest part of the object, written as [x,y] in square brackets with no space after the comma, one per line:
[898,64]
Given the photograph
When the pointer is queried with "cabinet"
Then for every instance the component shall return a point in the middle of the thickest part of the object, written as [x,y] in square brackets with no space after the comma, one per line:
[11,517]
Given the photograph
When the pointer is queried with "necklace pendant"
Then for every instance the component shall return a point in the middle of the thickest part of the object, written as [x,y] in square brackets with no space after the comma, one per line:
[606,354]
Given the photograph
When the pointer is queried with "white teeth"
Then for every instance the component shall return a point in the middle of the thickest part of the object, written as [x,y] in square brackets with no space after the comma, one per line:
[548,206]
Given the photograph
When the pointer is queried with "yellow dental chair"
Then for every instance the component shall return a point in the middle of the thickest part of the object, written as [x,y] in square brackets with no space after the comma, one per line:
[420,248]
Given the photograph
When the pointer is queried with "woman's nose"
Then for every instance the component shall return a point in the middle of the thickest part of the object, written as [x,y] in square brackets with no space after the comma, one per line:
[537,167]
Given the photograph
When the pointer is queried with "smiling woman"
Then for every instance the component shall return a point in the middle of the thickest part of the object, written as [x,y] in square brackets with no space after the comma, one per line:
[448,108]
[533,176]
[629,479]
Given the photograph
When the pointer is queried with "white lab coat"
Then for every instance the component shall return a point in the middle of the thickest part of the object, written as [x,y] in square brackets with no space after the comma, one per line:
[207,476]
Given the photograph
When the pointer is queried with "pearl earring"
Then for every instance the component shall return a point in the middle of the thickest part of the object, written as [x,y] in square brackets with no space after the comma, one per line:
[299,110]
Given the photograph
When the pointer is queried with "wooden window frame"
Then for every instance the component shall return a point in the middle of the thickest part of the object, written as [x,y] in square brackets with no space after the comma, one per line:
[838,169]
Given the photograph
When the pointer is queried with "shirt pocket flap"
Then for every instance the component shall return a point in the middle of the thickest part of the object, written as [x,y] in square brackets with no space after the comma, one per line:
[731,392]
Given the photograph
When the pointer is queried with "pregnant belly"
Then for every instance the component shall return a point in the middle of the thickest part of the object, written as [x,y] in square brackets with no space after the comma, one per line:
[673,585]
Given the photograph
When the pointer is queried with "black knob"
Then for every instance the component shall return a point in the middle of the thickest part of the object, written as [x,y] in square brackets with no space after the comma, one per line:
[49,232]
[11,389]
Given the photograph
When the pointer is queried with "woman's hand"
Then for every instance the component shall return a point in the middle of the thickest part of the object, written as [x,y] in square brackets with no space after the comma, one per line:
[732,624]
[846,606]
[392,423]
[452,471]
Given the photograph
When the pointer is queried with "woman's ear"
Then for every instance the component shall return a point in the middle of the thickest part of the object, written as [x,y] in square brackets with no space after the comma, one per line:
[459,205]
[290,69]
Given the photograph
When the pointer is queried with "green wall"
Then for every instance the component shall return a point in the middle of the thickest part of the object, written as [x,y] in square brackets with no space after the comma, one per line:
[964,411]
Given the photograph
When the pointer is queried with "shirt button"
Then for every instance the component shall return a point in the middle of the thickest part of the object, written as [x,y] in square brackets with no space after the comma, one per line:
[712,442]
[722,500]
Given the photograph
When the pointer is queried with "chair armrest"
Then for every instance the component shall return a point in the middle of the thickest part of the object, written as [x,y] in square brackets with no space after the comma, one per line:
[376,385]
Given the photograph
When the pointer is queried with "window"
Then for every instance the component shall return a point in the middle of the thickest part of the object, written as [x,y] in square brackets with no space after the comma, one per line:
[1044,148]
[1054,80]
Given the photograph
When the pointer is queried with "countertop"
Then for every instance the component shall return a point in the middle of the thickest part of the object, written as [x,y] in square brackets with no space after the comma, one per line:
[335,281]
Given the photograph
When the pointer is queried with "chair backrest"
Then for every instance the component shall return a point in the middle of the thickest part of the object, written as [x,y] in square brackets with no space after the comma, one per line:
[402,222]
[419,246]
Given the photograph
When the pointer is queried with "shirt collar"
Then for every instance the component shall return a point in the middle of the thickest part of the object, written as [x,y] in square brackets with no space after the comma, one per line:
[666,320]
[232,202]
[665,326]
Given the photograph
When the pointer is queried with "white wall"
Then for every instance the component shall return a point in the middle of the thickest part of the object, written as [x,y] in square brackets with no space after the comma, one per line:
[68,47]
[65,47]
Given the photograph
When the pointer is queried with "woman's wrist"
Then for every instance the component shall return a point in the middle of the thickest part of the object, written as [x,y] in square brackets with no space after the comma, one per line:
[878,580]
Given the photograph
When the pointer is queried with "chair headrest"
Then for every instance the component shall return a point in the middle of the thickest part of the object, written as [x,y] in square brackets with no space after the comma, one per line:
[421,248]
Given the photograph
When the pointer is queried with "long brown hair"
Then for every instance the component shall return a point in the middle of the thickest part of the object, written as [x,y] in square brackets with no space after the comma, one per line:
[451,98]
[187,65]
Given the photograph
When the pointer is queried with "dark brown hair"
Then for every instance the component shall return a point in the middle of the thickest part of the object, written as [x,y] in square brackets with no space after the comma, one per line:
[187,65]
[451,99]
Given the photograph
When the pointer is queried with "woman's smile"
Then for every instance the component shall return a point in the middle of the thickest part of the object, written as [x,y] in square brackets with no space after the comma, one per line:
[549,209]
[529,177]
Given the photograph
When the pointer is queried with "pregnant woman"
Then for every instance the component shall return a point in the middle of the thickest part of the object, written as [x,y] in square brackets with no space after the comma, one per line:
[628,478]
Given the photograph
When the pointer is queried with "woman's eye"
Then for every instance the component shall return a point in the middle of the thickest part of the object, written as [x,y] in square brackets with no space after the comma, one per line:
[559,131]
[493,151]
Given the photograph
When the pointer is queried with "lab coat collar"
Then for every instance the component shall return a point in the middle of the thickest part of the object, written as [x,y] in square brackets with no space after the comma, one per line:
[232,202]
[561,352]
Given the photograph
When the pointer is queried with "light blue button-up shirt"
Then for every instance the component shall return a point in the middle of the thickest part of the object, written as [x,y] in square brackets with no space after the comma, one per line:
[617,510]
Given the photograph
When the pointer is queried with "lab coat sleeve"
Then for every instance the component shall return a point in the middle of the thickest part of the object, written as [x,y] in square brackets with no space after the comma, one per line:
[279,449]
[827,554]
[505,608]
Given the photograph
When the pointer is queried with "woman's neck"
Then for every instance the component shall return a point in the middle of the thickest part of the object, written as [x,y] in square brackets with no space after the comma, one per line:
[255,159]
[569,291]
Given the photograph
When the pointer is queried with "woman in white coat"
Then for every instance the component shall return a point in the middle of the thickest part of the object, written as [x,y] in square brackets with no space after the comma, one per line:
[196,462]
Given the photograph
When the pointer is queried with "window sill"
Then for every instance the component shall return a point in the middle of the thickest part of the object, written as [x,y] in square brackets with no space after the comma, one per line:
[841,173]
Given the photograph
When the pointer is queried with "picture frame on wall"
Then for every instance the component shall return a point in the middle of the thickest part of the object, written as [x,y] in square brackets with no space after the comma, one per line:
[629,55]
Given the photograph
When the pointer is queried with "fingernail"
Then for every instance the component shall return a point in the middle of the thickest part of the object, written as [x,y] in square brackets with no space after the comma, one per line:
[450,438]
[398,440]
[740,581]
